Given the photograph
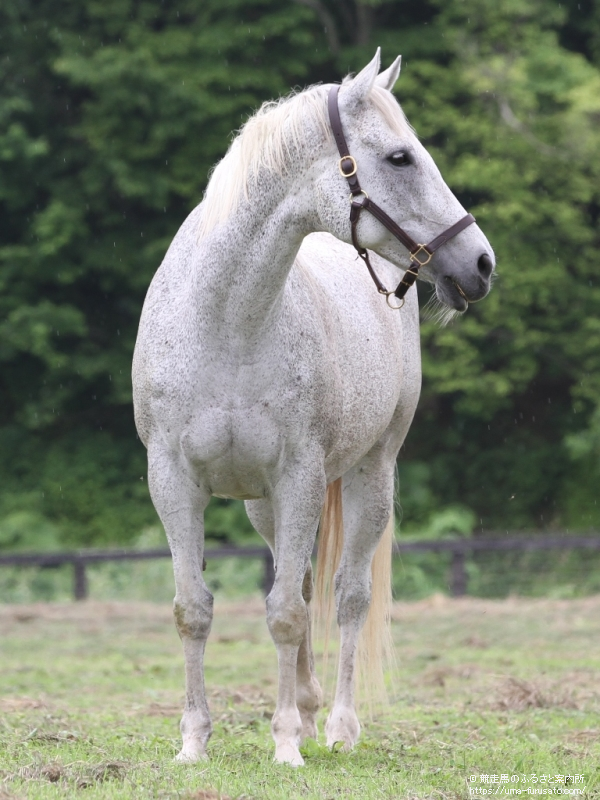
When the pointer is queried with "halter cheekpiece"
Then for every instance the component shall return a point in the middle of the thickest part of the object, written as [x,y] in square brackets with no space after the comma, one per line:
[420,254]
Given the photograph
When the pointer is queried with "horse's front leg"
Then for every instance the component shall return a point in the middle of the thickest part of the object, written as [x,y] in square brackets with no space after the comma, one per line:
[309,697]
[180,503]
[297,505]
[367,502]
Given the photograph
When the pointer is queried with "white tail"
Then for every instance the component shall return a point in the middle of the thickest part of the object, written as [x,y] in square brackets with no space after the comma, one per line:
[375,647]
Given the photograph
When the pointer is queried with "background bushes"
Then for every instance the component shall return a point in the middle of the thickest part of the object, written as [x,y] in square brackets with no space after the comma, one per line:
[111,115]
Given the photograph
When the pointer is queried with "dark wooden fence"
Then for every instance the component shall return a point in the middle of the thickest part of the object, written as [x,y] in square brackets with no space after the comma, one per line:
[460,550]
[80,559]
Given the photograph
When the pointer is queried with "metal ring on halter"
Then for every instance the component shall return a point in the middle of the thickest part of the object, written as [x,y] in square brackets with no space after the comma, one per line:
[387,300]
[362,191]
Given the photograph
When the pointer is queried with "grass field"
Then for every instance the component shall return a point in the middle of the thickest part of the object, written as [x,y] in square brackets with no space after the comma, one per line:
[90,699]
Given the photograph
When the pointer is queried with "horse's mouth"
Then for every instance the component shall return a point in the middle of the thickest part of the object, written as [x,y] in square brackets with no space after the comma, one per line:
[460,290]
[450,293]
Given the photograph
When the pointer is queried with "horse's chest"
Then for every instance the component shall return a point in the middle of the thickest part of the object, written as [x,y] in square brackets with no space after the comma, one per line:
[240,449]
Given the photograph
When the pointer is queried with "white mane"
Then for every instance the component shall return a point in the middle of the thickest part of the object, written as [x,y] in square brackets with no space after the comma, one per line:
[271,139]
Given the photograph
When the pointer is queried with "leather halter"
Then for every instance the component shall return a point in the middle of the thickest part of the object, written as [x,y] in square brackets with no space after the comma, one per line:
[420,254]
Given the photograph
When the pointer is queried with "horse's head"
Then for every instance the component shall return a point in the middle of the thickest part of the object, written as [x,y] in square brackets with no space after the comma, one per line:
[399,175]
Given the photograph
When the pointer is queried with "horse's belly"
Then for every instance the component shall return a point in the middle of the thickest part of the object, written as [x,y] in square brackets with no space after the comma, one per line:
[241,449]
[360,429]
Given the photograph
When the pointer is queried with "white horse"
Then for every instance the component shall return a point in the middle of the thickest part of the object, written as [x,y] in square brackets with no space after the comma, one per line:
[267,368]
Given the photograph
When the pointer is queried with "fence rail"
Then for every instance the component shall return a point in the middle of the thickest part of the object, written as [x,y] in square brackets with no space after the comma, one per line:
[459,548]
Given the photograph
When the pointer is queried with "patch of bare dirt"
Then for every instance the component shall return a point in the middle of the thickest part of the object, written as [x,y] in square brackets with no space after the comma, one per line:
[565,752]
[494,608]
[251,607]
[93,616]
[588,735]
[234,638]
[206,794]
[5,794]
[89,610]
[475,642]
[97,612]
[161,710]
[55,772]
[248,694]
[516,694]
[497,608]
[9,705]
[437,676]
[51,772]
[111,770]
[54,736]
[248,702]
[583,683]
[244,706]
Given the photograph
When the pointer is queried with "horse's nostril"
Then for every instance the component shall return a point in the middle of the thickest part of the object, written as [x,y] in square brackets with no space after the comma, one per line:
[485,266]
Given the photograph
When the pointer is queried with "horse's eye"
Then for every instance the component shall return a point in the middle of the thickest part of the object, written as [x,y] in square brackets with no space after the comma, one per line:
[400,159]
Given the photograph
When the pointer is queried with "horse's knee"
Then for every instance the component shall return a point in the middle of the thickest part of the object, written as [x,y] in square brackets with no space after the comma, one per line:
[286,618]
[353,599]
[193,618]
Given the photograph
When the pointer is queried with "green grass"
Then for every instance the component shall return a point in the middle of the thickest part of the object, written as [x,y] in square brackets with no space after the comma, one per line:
[90,699]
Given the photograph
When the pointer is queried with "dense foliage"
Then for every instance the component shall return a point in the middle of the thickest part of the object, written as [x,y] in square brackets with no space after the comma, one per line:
[111,115]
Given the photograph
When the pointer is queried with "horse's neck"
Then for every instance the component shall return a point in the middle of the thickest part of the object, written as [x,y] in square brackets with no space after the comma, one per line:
[246,260]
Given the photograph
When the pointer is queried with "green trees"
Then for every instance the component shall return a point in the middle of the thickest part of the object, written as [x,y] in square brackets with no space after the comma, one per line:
[111,115]
[513,122]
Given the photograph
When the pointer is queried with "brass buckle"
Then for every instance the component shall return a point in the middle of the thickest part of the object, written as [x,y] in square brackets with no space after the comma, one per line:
[422,248]
[354,167]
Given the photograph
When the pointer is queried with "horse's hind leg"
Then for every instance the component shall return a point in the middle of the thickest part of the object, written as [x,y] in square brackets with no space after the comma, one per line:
[368,492]
[309,696]
[180,505]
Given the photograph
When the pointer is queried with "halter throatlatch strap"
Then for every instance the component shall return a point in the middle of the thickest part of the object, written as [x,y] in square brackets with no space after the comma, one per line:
[420,254]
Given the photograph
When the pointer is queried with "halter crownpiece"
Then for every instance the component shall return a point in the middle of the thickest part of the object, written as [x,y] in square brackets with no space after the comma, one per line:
[420,254]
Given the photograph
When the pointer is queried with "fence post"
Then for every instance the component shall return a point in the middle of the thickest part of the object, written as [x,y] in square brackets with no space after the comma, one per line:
[458,574]
[80,581]
[269,573]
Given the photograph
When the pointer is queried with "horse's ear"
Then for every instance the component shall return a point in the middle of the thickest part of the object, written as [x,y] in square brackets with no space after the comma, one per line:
[388,77]
[360,86]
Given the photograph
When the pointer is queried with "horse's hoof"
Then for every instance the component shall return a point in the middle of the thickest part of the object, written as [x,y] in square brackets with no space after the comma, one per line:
[342,730]
[288,754]
[190,755]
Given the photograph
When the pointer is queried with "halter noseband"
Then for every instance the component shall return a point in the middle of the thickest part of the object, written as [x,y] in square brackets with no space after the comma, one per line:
[420,254]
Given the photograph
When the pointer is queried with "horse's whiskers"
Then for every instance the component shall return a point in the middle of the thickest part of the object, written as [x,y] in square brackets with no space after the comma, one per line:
[435,311]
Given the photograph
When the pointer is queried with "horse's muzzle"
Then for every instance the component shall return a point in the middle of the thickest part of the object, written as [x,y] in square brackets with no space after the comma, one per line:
[459,294]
